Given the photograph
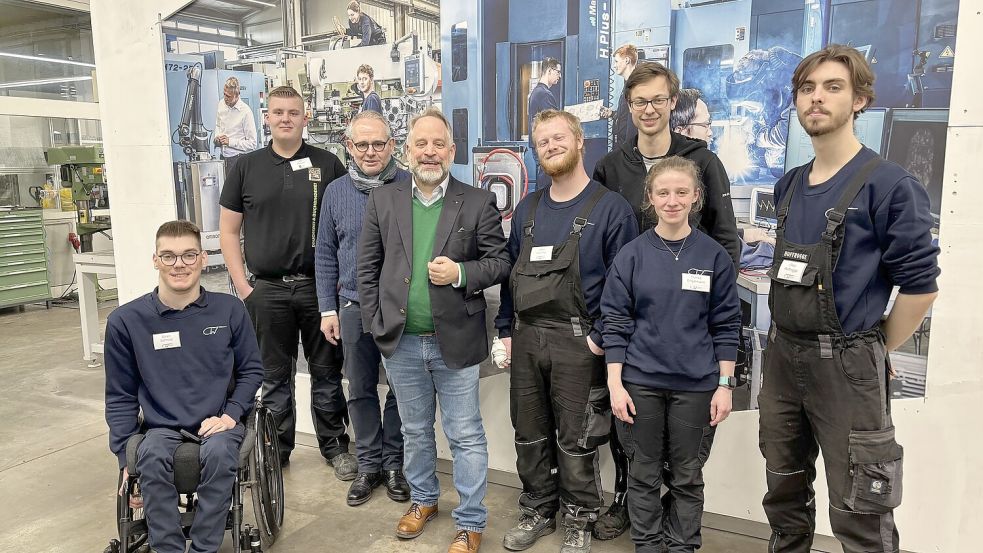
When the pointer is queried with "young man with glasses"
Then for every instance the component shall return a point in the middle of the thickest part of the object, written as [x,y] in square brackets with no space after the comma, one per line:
[378,440]
[188,360]
[541,98]
[691,116]
[274,195]
[652,92]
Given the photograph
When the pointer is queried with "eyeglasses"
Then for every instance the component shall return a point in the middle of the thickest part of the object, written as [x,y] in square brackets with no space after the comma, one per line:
[377,146]
[639,104]
[170,259]
[706,125]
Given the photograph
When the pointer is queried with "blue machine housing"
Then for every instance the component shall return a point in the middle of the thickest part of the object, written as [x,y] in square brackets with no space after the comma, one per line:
[502,42]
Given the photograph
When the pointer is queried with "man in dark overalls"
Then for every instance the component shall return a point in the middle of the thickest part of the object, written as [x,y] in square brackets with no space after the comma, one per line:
[563,239]
[850,227]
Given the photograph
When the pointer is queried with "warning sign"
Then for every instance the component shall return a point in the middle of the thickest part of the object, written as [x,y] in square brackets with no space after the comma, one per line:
[947,53]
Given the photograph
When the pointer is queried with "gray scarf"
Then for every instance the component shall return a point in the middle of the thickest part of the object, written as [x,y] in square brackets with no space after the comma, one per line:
[365,183]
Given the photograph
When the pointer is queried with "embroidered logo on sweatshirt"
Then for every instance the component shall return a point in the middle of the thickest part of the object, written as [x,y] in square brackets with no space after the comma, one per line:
[210,330]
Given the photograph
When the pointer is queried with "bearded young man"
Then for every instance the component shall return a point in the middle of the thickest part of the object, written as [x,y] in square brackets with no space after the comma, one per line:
[429,247]
[563,240]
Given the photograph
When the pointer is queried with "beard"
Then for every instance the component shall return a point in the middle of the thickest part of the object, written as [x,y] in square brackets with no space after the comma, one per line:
[561,165]
[427,176]
[819,128]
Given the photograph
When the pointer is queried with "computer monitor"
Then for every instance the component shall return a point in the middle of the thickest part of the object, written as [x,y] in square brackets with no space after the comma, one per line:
[916,142]
[764,212]
[869,129]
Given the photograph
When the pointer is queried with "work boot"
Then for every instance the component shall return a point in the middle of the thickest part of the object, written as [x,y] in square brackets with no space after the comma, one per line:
[530,528]
[465,542]
[345,466]
[415,520]
[576,535]
[612,523]
[396,487]
[361,488]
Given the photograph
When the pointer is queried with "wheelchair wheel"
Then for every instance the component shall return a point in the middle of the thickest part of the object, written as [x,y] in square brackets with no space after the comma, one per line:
[267,477]
[132,534]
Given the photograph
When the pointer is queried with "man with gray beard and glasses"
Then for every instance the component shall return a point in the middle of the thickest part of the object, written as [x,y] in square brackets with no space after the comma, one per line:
[429,247]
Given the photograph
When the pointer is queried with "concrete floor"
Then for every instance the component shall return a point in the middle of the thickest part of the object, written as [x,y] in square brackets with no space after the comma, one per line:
[58,477]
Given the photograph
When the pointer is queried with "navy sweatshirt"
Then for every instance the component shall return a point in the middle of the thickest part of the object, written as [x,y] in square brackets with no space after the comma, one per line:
[178,387]
[887,241]
[335,254]
[668,337]
[611,225]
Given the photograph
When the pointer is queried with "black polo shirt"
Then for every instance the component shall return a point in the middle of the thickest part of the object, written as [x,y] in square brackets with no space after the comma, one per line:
[280,204]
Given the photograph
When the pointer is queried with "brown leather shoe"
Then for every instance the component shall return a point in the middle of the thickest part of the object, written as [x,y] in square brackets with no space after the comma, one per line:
[465,542]
[415,520]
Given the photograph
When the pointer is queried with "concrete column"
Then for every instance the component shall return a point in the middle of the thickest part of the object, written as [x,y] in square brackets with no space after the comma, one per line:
[129,53]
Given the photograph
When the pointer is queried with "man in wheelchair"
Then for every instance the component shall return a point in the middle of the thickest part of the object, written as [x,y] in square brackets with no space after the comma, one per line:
[188,360]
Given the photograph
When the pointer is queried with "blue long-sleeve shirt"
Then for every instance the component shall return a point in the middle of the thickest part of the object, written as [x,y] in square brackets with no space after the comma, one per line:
[372,102]
[540,99]
[666,336]
[336,250]
[887,240]
[609,228]
[212,367]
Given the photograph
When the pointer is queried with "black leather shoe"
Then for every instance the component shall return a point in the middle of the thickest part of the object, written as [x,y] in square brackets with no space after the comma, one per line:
[396,487]
[361,488]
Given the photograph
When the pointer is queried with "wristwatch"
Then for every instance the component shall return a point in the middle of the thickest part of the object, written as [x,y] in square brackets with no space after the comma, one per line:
[728,382]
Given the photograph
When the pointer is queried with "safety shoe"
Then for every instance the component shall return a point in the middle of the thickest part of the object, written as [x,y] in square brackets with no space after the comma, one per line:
[612,523]
[465,542]
[576,535]
[530,528]
[396,487]
[345,466]
[361,488]
[415,520]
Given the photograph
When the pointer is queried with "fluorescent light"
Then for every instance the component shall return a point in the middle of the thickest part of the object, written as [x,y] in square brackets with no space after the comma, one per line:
[265,4]
[44,81]
[42,58]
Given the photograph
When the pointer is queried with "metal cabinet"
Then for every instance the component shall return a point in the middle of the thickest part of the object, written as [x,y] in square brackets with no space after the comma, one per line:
[23,261]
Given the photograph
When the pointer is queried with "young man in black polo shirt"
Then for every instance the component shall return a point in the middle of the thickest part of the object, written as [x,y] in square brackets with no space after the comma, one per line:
[274,194]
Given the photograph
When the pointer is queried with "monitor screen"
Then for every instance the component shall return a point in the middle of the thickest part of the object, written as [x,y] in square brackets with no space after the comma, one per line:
[869,128]
[764,213]
[917,143]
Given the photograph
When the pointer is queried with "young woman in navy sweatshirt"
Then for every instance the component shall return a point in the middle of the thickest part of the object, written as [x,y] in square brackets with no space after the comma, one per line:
[671,322]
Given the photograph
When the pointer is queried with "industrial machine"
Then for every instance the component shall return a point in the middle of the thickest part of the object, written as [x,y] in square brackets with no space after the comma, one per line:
[406,78]
[82,168]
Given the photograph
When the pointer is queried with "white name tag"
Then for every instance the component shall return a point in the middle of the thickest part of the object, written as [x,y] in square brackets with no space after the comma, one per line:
[299,164]
[167,340]
[791,271]
[541,253]
[696,283]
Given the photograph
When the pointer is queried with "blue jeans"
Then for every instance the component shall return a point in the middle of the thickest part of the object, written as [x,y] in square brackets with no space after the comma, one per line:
[420,378]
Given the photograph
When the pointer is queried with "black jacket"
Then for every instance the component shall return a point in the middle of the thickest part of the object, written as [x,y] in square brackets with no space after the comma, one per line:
[623,171]
[469,231]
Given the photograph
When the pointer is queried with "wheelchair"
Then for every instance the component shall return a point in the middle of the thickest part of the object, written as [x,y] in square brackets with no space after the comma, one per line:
[259,473]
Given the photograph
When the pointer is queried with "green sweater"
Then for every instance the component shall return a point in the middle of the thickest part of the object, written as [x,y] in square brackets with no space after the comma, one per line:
[419,317]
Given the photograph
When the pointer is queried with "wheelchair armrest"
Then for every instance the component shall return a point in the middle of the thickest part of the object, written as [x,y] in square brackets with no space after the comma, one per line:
[131,453]
[248,443]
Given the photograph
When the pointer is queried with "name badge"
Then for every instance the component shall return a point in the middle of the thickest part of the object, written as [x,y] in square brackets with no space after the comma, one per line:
[791,271]
[299,164]
[541,253]
[167,340]
[696,282]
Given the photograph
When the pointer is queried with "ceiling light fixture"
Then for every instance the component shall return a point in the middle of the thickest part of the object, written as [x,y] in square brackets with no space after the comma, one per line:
[260,3]
[42,58]
[39,82]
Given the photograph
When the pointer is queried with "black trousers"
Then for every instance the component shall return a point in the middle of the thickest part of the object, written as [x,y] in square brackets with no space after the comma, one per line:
[219,456]
[378,438]
[561,413]
[280,311]
[839,405]
[677,423]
